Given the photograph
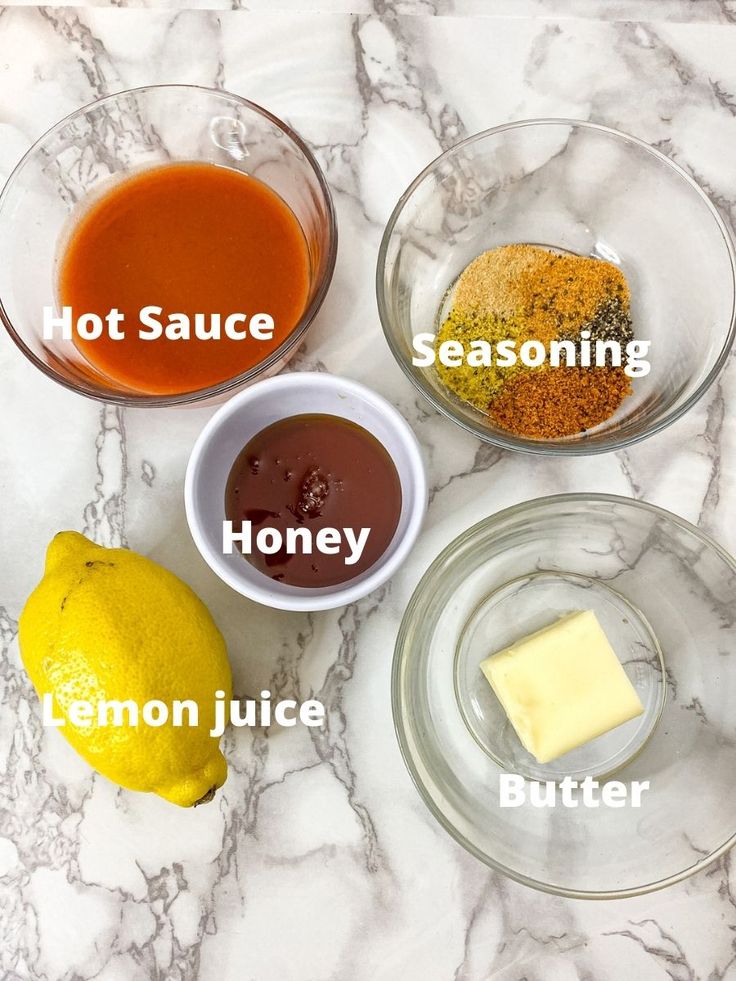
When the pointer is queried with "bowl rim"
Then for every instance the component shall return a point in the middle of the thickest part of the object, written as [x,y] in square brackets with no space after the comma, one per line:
[290,342]
[401,728]
[553,447]
[344,593]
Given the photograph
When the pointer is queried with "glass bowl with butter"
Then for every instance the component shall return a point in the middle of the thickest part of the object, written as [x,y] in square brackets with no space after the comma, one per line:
[563,685]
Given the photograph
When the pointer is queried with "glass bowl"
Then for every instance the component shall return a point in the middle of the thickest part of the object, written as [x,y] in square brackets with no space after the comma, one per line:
[665,594]
[124,133]
[580,188]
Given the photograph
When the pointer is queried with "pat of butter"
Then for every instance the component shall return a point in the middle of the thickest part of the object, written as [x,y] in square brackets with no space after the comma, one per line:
[562,686]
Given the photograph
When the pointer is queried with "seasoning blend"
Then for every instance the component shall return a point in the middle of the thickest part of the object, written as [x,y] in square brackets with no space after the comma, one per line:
[316,473]
[547,404]
[525,293]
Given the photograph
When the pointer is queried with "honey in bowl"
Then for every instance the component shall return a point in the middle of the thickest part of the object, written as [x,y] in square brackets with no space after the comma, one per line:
[323,483]
[191,239]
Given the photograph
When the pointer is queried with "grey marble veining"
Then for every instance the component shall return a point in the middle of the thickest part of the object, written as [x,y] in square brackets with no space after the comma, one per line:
[318,861]
[681,11]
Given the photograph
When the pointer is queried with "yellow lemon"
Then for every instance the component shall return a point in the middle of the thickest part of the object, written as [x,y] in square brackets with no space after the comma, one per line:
[110,625]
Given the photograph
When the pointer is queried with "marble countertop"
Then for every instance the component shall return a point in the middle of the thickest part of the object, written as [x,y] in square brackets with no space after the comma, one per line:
[318,861]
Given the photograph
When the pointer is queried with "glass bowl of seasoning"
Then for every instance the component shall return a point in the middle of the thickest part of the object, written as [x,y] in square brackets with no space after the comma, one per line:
[662,593]
[305,510]
[556,286]
[164,245]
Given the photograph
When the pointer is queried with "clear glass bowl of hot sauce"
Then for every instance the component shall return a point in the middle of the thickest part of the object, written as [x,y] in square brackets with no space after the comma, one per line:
[176,197]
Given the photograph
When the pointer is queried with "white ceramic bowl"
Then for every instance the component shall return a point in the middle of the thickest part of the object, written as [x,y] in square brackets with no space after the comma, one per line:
[247,414]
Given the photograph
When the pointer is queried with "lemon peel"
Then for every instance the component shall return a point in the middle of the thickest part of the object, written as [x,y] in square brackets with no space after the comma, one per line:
[107,624]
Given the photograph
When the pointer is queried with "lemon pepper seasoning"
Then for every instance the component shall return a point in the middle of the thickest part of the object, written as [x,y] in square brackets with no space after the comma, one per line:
[478,384]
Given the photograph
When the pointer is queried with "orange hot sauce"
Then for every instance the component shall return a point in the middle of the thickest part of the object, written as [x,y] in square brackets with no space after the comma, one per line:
[190,238]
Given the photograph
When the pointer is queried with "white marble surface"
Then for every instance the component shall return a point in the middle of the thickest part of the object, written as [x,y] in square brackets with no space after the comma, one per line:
[318,861]
[716,11]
